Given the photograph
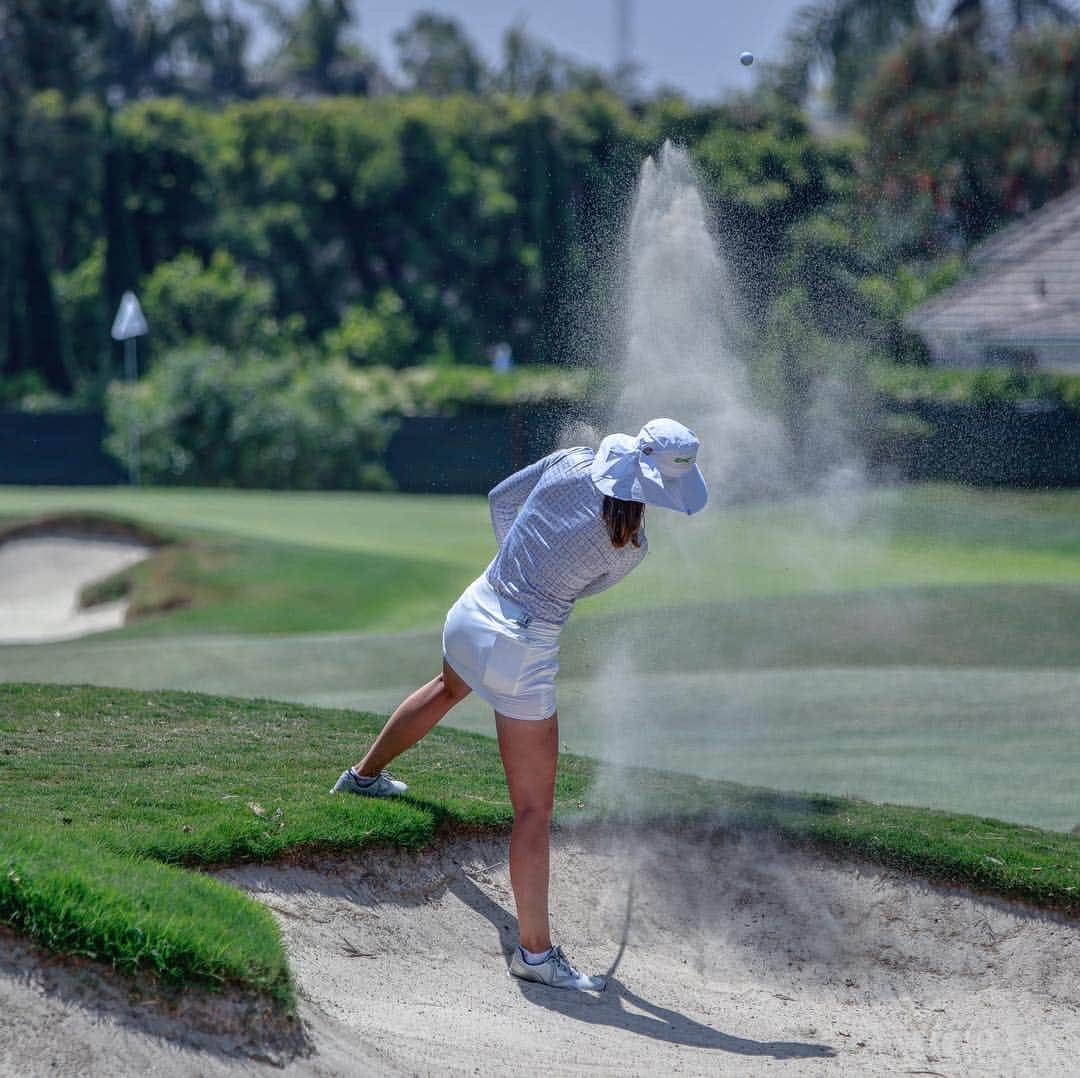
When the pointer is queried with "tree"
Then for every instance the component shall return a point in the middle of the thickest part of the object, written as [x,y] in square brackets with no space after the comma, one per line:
[438,58]
[187,47]
[986,20]
[1047,66]
[210,49]
[44,45]
[50,44]
[316,54]
[137,47]
[218,302]
[376,334]
[961,139]
[529,66]
[846,38]
[849,38]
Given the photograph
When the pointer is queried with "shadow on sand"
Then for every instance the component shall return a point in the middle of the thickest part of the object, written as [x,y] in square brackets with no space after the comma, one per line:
[611,1008]
[226,1024]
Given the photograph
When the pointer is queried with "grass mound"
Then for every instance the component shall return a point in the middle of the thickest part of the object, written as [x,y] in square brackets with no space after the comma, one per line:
[107,797]
[80,524]
[76,897]
[211,582]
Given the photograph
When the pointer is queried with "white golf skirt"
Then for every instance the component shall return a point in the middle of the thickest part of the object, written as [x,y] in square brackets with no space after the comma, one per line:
[506,657]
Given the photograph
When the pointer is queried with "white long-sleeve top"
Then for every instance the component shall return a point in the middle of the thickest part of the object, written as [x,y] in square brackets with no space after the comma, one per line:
[554,546]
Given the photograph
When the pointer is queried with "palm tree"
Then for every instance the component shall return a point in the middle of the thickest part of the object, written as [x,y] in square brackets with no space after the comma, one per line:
[438,57]
[529,66]
[846,38]
[317,53]
[975,18]
[212,47]
[138,42]
[38,51]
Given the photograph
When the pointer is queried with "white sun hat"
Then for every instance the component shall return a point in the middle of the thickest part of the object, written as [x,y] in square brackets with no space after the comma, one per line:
[658,467]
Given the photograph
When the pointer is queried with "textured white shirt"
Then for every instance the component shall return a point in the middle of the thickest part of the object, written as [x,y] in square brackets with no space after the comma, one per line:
[554,546]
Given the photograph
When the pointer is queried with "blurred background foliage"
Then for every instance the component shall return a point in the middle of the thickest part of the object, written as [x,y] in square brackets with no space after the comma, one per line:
[292,224]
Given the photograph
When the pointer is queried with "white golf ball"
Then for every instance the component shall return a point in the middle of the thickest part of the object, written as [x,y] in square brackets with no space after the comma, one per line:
[746,59]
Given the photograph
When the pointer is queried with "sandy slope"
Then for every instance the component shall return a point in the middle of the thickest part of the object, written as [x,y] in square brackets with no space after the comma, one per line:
[737,960]
[40,581]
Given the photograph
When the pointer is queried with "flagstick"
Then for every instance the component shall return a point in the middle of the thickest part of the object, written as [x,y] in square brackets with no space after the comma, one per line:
[132,374]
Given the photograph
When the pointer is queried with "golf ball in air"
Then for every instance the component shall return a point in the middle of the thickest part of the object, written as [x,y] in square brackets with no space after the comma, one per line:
[746,59]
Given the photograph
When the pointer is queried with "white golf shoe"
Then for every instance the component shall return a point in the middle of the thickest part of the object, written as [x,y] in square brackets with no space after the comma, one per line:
[555,971]
[382,785]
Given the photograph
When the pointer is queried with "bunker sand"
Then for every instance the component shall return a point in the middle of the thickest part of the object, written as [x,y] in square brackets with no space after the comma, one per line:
[41,578]
[726,956]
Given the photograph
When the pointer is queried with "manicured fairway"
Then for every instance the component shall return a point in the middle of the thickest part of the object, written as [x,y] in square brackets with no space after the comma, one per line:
[920,646]
[994,741]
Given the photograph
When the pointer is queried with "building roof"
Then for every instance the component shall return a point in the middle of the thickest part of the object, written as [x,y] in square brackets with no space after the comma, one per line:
[1025,288]
[1058,327]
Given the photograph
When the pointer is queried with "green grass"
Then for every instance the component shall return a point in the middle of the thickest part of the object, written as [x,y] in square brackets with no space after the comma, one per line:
[994,740]
[289,562]
[916,645]
[1025,625]
[74,896]
[229,585]
[450,529]
[109,798]
[205,581]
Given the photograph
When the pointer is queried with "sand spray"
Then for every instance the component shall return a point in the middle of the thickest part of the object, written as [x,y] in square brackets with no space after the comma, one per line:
[677,332]
[676,329]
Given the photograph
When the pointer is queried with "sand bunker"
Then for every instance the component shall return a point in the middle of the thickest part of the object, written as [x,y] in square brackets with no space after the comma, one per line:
[40,581]
[726,958]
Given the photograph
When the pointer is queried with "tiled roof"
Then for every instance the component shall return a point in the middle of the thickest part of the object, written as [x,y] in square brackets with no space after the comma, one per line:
[1025,287]
[1054,327]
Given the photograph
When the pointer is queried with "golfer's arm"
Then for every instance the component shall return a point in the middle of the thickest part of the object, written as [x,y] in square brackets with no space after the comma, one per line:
[509,496]
[613,576]
[599,584]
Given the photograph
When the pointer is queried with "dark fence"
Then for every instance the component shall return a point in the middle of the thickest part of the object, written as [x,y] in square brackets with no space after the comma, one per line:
[59,449]
[466,454]
[1023,445]
[471,452]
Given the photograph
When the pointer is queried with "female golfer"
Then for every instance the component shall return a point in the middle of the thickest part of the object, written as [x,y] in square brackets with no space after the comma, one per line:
[567,526]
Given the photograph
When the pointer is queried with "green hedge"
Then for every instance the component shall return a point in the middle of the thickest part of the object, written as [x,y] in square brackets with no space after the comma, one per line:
[205,416]
[445,390]
[904,385]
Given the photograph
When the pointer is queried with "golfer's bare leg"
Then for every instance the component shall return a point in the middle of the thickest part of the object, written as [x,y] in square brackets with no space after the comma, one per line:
[530,753]
[413,718]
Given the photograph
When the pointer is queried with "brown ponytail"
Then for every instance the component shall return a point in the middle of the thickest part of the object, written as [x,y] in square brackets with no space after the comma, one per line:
[623,520]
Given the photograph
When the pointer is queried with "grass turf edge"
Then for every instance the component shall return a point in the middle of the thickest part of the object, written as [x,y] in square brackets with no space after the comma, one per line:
[987,856]
[80,524]
[227,1021]
[82,900]
[114,888]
